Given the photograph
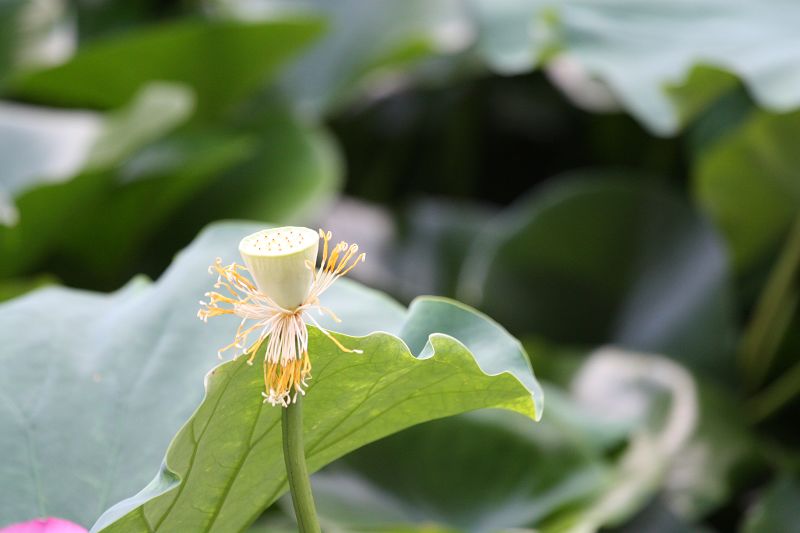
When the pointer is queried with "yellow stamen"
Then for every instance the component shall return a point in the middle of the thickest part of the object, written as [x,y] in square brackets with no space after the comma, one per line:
[287,366]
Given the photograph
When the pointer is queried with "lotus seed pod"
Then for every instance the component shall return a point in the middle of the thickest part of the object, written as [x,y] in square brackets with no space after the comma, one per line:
[278,261]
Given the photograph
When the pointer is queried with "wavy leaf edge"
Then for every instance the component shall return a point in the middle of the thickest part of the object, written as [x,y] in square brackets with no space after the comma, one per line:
[166,480]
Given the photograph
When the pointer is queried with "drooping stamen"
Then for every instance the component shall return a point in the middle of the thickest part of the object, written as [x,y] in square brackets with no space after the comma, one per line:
[287,367]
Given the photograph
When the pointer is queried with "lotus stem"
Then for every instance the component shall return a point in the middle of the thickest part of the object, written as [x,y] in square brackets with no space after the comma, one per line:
[296,470]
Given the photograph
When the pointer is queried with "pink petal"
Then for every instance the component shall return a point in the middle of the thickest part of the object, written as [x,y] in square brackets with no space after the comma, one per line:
[44,525]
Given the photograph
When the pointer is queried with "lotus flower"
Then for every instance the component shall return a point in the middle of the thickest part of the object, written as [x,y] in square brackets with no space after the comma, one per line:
[284,288]
[44,525]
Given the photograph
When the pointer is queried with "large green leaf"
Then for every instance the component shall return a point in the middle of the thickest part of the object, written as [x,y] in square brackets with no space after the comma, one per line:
[94,386]
[640,47]
[589,260]
[749,182]
[223,61]
[225,466]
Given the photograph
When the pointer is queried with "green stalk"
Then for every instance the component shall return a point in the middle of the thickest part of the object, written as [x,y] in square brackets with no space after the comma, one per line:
[296,470]
[773,313]
[776,395]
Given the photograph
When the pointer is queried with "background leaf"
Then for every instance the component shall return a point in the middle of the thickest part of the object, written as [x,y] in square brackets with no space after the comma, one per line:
[583,260]
[776,509]
[656,399]
[439,474]
[42,145]
[281,167]
[601,453]
[639,48]
[46,212]
[338,68]
[222,61]
[749,182]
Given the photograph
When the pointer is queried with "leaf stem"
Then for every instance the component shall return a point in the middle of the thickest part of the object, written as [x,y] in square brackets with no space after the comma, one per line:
[776,395]
[773,313]
[296,470]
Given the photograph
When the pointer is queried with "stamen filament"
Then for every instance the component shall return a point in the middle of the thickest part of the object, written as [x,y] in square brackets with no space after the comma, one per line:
[287,366]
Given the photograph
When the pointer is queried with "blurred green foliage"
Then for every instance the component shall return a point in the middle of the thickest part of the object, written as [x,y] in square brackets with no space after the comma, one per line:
[614,181]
